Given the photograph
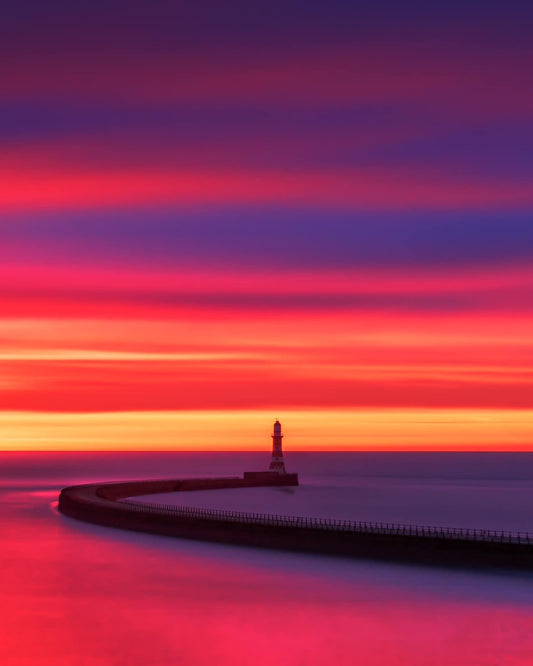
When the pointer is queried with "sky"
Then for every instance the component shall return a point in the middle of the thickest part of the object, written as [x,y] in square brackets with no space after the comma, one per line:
[217,214]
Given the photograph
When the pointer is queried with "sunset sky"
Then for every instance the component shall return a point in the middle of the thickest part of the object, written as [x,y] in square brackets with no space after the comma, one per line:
[215,214]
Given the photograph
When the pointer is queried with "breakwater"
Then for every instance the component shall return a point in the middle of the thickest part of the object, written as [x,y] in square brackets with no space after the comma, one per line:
[108,504]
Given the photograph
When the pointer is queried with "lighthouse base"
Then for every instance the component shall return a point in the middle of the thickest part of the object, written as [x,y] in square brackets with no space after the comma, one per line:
[271,479]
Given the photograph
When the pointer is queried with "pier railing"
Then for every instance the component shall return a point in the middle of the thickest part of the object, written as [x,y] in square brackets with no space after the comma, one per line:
[329,524]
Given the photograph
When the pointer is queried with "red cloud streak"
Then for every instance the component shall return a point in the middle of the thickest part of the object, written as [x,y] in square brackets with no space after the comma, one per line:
[67,347]
[379,189]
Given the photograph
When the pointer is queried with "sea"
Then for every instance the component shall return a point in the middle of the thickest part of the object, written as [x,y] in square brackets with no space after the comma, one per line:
[79,594]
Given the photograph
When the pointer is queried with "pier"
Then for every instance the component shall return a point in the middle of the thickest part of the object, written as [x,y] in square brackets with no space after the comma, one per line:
[109,504]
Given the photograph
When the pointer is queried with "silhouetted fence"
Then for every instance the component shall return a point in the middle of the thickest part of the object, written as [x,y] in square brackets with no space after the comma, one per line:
[329,524]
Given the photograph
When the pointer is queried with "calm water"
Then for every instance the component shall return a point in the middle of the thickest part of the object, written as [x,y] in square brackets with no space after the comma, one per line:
[73,593]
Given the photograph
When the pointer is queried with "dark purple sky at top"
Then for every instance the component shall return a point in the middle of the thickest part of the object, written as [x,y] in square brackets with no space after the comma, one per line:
[179,26]
[472,121]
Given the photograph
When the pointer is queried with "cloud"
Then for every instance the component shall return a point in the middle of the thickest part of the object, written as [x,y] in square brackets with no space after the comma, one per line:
[269,236]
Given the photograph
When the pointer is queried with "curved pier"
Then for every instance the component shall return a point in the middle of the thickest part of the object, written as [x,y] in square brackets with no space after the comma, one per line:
[107,504]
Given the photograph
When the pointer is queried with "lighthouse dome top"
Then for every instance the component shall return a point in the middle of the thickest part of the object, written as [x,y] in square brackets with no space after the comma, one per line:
[277,428]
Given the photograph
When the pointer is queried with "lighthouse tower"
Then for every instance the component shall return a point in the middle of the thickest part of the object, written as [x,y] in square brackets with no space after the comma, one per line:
[276,475]
[277,464]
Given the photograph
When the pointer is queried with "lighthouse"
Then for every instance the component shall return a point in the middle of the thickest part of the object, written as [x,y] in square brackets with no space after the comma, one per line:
[276,475]
[277,464]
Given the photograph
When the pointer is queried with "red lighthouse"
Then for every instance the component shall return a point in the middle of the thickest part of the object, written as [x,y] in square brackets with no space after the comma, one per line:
[277,464]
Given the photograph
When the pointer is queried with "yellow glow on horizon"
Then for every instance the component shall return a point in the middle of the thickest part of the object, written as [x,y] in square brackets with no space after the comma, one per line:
[305,430]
